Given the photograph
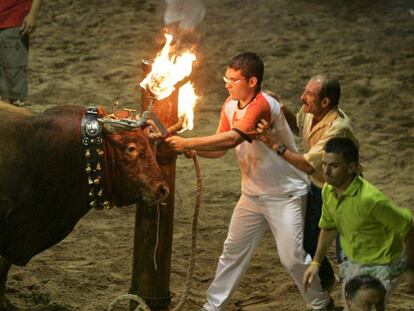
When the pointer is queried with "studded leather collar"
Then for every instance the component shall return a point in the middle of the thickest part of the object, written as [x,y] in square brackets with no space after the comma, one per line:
[92,141]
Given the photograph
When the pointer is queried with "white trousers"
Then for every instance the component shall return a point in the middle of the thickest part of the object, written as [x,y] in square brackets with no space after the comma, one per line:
[251,218]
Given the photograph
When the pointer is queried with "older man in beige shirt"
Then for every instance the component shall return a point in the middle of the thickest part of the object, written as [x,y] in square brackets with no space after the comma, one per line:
[318,120]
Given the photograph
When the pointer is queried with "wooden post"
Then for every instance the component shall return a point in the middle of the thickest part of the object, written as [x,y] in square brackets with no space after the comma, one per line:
[151,283]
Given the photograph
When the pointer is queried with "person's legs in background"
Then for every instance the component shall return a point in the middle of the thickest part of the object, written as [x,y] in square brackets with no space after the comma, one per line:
[13,66]
[285,218]
[311,235]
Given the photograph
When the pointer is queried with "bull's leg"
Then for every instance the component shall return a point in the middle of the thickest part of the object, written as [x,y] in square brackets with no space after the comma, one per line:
[4,270]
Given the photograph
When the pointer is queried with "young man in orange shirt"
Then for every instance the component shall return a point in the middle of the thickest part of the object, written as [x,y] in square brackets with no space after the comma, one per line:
[273,191]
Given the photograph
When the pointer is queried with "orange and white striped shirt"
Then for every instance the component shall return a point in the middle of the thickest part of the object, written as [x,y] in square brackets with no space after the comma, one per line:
[263,171]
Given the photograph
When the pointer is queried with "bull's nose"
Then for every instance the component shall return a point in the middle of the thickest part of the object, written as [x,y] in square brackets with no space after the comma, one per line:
[163,191]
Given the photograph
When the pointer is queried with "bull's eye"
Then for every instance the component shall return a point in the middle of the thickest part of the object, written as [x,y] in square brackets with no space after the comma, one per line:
[131,149]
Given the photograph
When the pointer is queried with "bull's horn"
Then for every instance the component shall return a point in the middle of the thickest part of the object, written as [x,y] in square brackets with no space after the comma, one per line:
[113,125]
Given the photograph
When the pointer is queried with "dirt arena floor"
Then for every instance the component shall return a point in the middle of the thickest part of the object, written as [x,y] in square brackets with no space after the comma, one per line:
[89,53]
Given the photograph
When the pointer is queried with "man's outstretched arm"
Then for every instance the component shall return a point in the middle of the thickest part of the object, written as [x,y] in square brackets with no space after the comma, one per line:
[217,142]
[266,135]
[326,237]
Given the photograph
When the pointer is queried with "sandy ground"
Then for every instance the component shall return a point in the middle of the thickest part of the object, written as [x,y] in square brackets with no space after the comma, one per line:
[89,53]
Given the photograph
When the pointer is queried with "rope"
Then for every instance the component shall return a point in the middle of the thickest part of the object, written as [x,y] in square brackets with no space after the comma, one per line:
[157,237]
[142,306]
[193,250]
[190,270]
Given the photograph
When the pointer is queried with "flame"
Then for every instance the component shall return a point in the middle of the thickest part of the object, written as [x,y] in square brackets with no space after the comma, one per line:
[187,100]
[167,70]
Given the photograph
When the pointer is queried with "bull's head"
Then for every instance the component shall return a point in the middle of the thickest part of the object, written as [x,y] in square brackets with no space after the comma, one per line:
[131,164]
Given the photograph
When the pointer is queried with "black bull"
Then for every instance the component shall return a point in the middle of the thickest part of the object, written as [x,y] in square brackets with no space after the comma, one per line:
[44,188]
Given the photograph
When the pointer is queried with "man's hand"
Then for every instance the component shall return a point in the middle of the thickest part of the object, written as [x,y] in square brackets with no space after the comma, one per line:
[267,133]
[177,143]
[29,24]
[309,274]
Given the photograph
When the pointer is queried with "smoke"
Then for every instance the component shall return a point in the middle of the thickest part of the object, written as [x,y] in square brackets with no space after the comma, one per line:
[186,14]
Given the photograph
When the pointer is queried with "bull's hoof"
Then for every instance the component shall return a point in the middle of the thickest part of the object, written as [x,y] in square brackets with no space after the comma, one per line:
[6,305]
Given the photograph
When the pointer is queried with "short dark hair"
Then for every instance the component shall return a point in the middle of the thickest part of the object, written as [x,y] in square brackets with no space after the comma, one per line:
[250,65]
[362,281]
[330,88]
[345,146]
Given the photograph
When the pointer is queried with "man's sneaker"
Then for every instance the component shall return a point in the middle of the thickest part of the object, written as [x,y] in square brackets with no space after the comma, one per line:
[18,103]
